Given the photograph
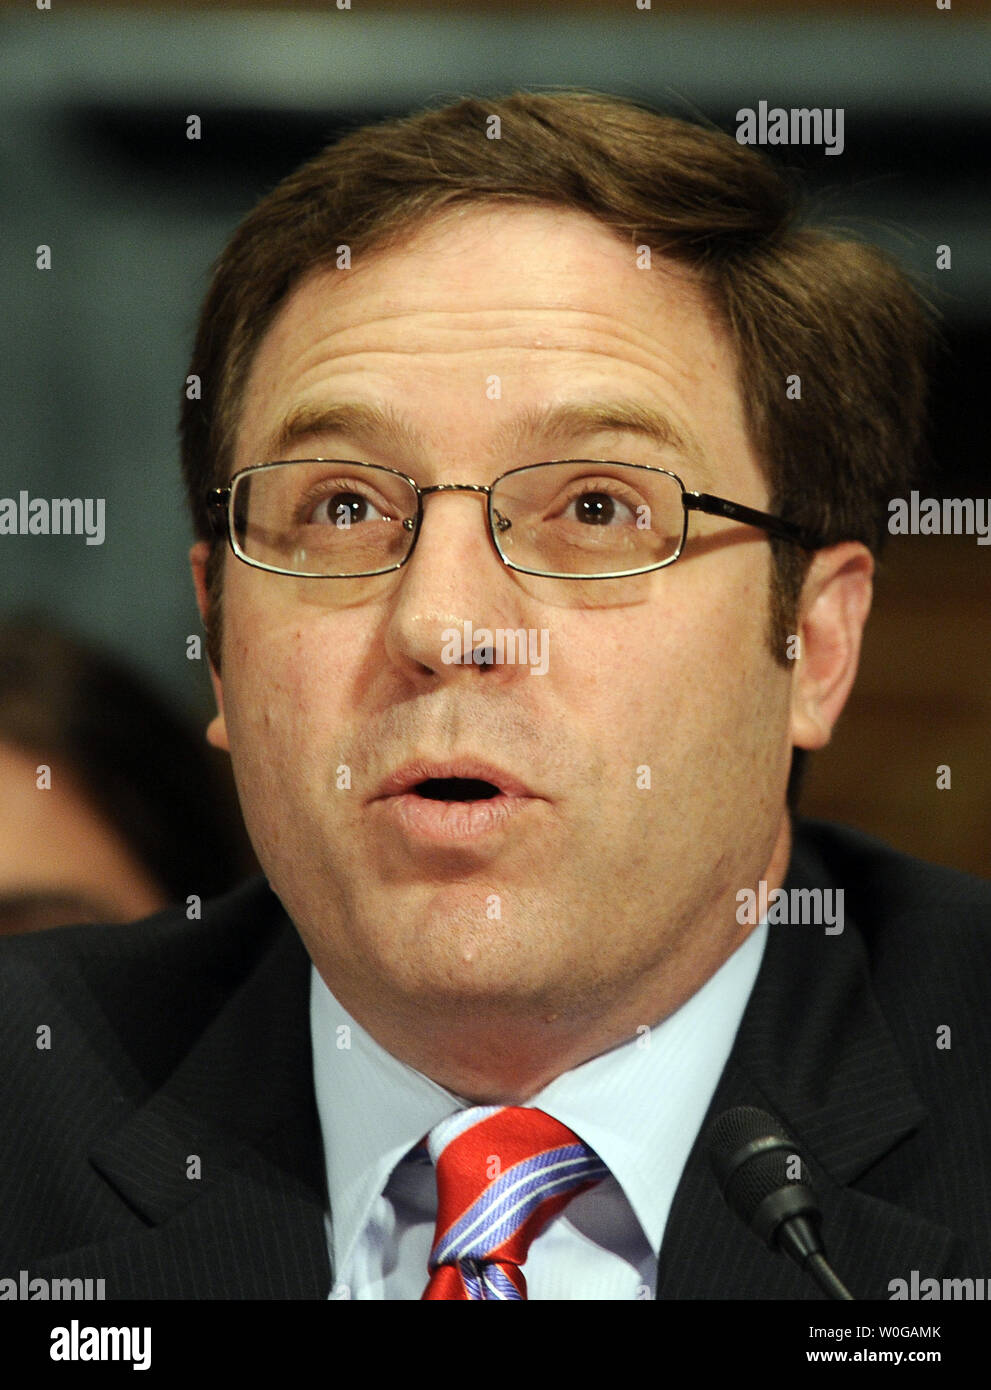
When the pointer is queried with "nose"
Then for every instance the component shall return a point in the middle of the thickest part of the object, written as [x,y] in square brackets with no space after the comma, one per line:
[453,582]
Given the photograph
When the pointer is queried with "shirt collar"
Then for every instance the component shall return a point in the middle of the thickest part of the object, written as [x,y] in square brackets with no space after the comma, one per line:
[374,1108]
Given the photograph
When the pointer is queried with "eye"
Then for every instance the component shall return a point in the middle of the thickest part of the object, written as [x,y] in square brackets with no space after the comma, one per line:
[343,508]
[598,506]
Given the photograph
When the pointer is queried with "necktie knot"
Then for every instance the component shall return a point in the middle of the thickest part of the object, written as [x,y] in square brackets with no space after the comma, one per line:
[502,1173]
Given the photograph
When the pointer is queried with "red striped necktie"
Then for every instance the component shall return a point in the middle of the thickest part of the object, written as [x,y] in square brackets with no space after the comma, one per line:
[502,1173]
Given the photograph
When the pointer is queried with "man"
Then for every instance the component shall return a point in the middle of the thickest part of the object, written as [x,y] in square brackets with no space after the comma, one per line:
[513,746]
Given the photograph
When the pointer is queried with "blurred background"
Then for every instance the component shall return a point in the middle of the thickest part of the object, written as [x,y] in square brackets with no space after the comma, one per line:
[95,163]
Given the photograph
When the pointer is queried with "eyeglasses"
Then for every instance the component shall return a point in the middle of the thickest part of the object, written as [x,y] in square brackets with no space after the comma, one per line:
[569,519]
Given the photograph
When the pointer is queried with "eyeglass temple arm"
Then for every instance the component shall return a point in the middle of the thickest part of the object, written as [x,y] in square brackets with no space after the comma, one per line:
[217,501]
[735,511]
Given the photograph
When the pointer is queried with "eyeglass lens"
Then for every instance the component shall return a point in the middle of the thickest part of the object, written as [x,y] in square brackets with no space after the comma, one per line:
[579,518]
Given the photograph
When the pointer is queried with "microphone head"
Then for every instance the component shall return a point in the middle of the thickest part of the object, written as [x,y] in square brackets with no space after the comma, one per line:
[759,1170]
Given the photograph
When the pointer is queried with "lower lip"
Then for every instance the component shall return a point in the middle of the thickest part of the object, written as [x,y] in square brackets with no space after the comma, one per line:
[448,822]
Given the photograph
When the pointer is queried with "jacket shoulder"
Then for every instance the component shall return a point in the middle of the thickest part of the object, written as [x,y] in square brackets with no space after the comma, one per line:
[926,930]
[153,984]
[883,885]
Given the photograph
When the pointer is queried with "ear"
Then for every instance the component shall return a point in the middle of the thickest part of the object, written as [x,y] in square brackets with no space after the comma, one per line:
[835,602]
[216,732]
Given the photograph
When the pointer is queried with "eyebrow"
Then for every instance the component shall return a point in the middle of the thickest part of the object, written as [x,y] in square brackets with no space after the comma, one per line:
[365,423]
[378,425]
[625,416]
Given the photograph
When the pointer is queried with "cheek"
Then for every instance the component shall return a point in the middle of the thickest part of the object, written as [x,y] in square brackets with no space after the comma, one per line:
[265,651]
[282,707]
[279,703]
[298,698]
[716,677]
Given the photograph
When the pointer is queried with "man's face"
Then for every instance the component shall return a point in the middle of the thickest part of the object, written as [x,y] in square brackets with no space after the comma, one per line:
[654,750]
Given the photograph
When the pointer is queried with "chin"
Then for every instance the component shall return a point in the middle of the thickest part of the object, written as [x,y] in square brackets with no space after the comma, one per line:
[469,971]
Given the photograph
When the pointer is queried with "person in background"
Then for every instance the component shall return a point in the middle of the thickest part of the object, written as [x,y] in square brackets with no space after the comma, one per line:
[112,806]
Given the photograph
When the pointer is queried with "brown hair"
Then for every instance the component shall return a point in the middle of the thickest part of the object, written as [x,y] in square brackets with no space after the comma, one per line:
[796,301]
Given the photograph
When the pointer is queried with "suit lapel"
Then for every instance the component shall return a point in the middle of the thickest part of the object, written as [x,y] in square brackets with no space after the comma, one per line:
[222,1166]
[814,1049]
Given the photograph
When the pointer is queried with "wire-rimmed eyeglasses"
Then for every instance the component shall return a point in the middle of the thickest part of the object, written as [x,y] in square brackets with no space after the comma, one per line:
[564,519]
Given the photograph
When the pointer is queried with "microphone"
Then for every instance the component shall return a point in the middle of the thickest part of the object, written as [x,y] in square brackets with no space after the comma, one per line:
[754,1161]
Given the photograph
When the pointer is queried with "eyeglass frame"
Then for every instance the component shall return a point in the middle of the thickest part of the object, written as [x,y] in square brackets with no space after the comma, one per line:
[220,515]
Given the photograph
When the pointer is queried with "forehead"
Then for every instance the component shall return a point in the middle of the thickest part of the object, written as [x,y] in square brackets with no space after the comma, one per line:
[503,317]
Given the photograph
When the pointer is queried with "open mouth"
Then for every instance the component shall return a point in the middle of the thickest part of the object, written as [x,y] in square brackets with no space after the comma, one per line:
[455,789]
[437,804]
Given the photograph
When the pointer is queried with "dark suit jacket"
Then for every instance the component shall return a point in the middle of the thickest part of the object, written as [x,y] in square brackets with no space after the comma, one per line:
[173,1038]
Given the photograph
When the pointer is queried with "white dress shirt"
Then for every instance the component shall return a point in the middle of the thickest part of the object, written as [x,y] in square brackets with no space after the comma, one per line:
[639,1106]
